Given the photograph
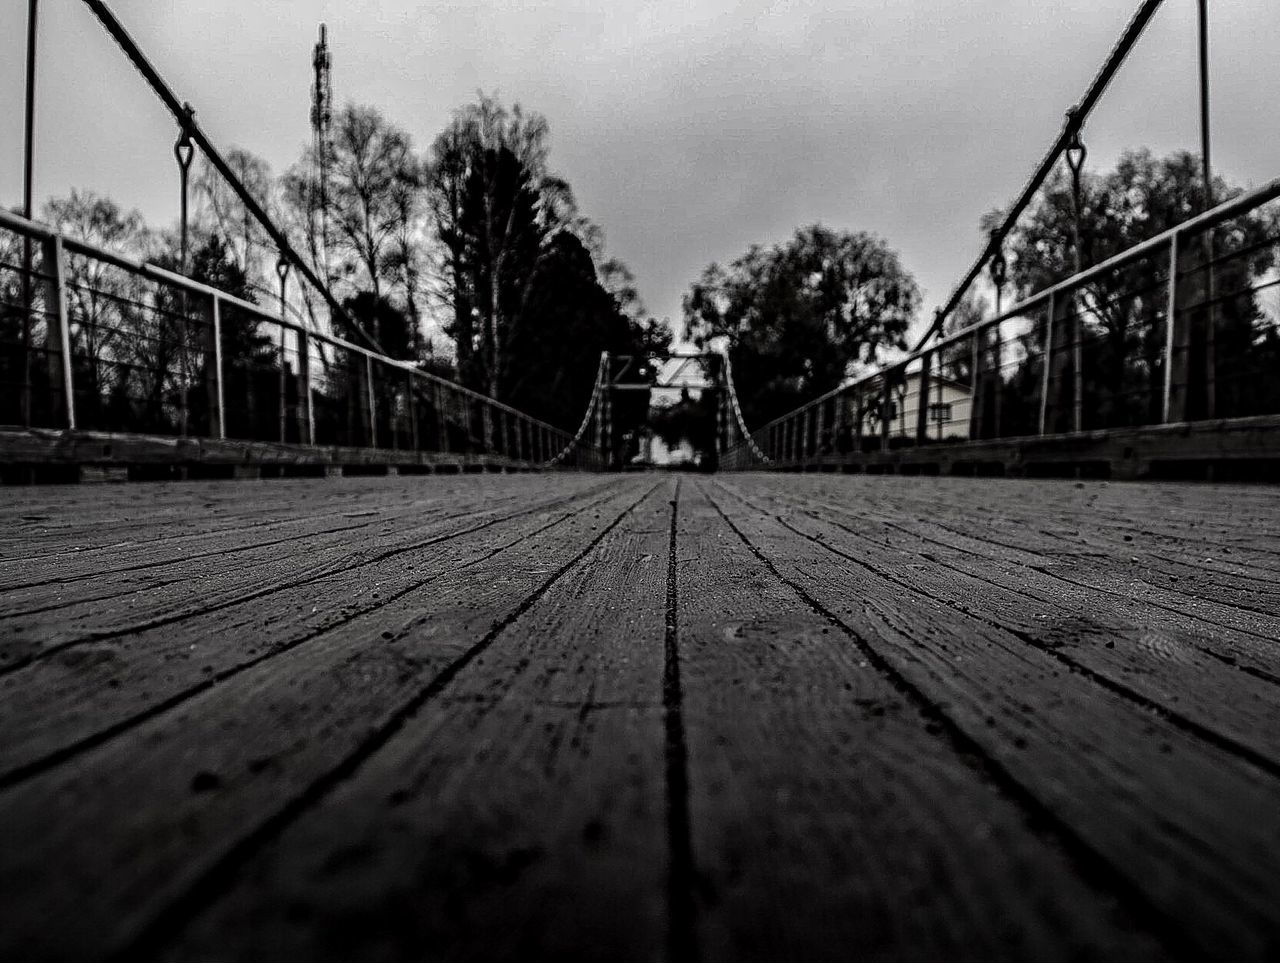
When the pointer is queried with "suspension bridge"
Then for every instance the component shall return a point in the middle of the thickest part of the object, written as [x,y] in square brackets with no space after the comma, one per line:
[284,702]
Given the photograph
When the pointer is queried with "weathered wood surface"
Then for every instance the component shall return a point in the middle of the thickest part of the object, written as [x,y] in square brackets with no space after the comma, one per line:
[640,717]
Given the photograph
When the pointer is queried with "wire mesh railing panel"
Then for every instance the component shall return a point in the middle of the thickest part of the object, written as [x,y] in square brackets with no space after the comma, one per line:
[32,392]
[140,351]
[256,377]
[1014,370]
[950,408]
[1117,321]
[1226,344]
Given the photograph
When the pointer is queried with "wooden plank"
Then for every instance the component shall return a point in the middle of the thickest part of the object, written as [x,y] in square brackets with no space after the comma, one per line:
[224,564]
[168,521]
[1162,661]
[224,774]
[1238,602]
[41,635]
[519,814]
[1138,797]
[830,818]
[70,699]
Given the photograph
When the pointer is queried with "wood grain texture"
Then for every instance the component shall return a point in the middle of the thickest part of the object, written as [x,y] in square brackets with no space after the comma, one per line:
[227,761]
[833,819]
[640,717]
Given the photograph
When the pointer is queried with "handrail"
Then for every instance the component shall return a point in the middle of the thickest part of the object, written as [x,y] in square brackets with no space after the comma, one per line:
[41,231]
[37,231]
[1210,218]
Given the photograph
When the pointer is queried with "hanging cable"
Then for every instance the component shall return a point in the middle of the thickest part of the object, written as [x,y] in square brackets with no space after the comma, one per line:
[1119,53]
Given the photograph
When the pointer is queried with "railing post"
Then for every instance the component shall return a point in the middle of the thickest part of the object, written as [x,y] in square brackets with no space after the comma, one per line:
[857,419]
[218,406]
[922,404]
[442,419]
[411,397]
[997,400]
[1170,329]
[284,384]
[486,427]
[371,401]
[1077,353]
[1046,363]
[977,386]
[305,415]
[842,422]
[886,408]
[58,325]
[1061,356]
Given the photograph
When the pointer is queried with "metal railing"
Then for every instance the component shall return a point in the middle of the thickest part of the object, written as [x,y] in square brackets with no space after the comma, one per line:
[96,341]
[1183,327]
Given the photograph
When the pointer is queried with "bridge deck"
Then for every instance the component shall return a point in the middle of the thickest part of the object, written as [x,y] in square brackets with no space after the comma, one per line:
[633,717]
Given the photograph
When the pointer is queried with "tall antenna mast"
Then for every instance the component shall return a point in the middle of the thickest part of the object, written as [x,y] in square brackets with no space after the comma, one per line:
[321,116]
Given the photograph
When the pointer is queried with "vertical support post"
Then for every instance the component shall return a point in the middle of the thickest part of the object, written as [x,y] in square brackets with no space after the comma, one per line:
[977,407]
[28,181]
[305,415]
[1211,313]
[820,428]
[1206,167]
[1190,290]
[411,397]
[282,271]
[1057,418]
[218,406]
[857,419]
[1170,329]
[394,420]
[886,408]
[997,377]
[1046,363]
[1077,353]
[371,401]
[922,404]
[284,385]
[486,427]
[442,419]
[58,325]
[842,421]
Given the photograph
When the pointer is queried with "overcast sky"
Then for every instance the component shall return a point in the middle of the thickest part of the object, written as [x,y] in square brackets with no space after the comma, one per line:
[687,131]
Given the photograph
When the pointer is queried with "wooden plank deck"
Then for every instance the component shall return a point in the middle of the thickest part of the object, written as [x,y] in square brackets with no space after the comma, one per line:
[640,717]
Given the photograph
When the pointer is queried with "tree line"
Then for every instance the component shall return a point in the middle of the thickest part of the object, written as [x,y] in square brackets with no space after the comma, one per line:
[470,257]
[800,317]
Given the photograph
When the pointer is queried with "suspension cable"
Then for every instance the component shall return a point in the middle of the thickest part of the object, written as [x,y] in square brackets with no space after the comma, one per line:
[737,411]
[596,393]
[1075,119]
[189,123]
